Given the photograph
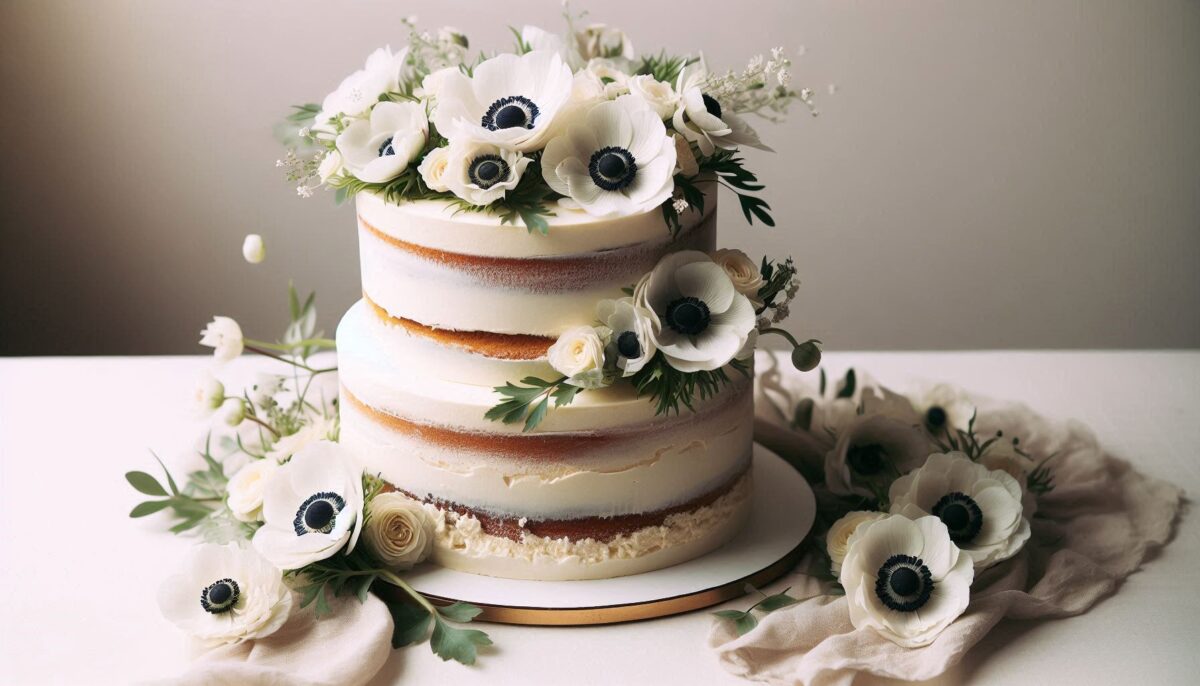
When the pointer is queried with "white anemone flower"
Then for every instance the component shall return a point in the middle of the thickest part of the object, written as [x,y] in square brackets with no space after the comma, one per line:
[379,149]
[509,100]
[224,336]
[632,343]
[943,408]
[701,321]
[312,508]
[226,594]
[980,507]
[905,579]
[361,89]
[701,119]
[870,452]
[481,173]
[616,159]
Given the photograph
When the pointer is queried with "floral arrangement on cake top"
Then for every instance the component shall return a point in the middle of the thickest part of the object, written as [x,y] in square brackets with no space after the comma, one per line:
[577,121]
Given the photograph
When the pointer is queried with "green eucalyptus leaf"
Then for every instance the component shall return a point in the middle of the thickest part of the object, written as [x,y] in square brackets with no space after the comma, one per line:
[774,602]
[148,508]
[144,483]
[743,622]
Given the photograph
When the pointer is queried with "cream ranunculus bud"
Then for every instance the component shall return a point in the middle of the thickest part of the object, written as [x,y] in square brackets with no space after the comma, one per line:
[743,272]
[659,95]
[433,169]
[331,165]
[253,249]
[224,336]
[578,354]
[233,411]
[399,531]
[209,394]
[837,541]
[246,489]
[599,40]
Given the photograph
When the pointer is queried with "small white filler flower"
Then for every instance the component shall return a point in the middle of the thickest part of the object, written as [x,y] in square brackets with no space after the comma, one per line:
[701,321]
[701,119]
[226,594]
[980,507]
[312,508]
[224,336]
[905,579]
[616,159]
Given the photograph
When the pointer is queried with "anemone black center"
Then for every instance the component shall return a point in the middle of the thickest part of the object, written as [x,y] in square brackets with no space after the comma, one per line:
[866,459]
[318,513]
[220,596]
[513,111]
[386,148]
[903,583]
[935,417]
[961,515]
[488,170]
[688,316]
[628,345]
[711,104]
[612,168]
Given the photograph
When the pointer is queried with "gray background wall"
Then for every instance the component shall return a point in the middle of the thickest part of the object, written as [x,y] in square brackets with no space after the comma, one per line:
[988,175]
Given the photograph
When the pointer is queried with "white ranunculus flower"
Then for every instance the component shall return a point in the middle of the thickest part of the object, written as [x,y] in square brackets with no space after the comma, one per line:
[378,149]
[905,579]
[700,320]
[658,95]
[700,118]
[246,488]
[632,342]
[578,354]
[870,452]
[743,272]
[980,507]
[312,508]
[943,408]
[226,594]
[685,159]
[253,249]
[1004,456]
[599,40]
[232,411]
[224,336]
[481,173]
[360,90]
[615,160]
[509,100]
[433,169]
[398,531]
[209,394]
[613,81]
[837,539]
[318,428]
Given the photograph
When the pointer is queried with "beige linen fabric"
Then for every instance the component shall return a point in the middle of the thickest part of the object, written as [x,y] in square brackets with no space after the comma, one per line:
[1095,528]
[346,648]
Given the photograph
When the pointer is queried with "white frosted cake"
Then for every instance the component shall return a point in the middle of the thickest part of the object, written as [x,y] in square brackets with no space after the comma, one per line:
[456,304]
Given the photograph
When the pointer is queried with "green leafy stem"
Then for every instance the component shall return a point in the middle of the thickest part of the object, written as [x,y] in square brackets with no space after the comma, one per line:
[531,401]
[744,620]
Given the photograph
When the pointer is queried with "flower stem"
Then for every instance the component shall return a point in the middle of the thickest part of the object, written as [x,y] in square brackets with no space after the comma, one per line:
[264,425]
[283,348]
[781,332]
[281,358]
[396,581]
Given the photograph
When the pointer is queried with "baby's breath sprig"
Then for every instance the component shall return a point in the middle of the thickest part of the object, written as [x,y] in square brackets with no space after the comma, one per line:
[762,88]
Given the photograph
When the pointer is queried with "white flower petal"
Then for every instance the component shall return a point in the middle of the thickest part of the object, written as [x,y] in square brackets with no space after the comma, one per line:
[706,281]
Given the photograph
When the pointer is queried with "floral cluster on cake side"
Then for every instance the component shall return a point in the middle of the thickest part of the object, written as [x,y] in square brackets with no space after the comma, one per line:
[572,122]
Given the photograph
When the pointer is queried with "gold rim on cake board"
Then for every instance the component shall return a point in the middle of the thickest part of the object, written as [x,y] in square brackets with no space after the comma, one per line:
[631,612]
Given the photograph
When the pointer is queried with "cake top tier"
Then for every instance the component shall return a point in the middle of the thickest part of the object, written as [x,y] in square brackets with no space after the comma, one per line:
[513,135]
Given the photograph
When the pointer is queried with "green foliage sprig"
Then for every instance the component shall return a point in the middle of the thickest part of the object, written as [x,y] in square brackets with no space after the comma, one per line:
[530,401]
[199,504]
[731,172]
[668,388]
[664,67]
[744,620]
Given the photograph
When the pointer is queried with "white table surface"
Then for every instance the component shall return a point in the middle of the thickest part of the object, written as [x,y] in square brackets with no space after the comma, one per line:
[77,577]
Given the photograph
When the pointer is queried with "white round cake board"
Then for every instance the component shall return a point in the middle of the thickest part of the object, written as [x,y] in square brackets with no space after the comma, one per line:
[782,513]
